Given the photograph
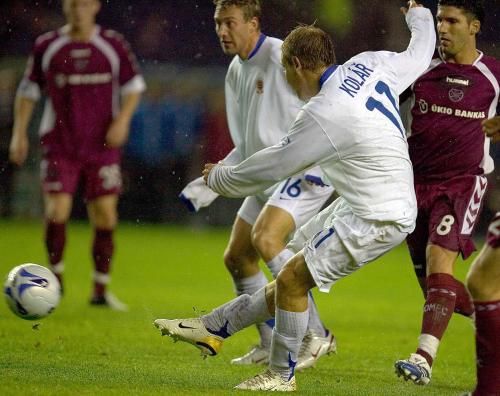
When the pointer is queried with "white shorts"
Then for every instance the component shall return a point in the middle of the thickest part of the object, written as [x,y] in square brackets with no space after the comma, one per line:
[301,198]
[336,242]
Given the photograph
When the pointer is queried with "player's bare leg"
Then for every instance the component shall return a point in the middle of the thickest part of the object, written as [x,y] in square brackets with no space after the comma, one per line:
[103,216]
[57,207]
[209,331]
[270,234]
[241,260]
[483,281]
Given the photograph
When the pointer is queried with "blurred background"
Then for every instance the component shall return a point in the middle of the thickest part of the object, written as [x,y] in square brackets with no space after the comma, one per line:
[181,123]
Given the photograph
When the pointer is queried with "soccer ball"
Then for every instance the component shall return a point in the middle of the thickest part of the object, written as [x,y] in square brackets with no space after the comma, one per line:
[32,291]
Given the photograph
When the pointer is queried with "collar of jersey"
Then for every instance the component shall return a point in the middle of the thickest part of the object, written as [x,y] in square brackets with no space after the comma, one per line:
[64,31]
[326,74]
[262,37]
[479,57]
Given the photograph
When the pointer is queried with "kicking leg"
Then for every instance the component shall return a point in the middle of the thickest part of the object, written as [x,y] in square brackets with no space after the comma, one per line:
[208,332]
[269,235]
[292,287]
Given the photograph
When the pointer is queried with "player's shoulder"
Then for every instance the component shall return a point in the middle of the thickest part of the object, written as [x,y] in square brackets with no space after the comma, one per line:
[274,44]
[492,63]
[44,40]
[113,37]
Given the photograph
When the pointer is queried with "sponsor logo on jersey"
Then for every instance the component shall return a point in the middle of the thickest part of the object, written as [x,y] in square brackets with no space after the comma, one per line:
[80,53]
[458,80]
[82,79]
[476,115]
[260,86]
[423,106]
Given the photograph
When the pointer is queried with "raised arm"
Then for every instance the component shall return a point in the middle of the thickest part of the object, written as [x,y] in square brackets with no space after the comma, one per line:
[412,62]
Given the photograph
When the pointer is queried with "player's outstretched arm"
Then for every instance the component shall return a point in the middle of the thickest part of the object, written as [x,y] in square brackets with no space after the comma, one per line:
[412,62]
[411,4]
[491,127]
[305,146]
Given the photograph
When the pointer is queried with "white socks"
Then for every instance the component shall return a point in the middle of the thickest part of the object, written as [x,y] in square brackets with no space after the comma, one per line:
[238,314]
[287,338]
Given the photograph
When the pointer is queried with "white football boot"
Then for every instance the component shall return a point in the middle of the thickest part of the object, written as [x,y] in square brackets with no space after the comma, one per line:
[257,355]
[269,380]
[415,369]
[313,347]
[192,331]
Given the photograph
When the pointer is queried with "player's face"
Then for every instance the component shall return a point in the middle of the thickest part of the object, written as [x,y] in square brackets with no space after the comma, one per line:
[235,34]
[81,13]
[456,33]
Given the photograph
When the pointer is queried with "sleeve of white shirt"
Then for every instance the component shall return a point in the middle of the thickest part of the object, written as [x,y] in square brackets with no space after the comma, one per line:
[412,62]
[197,195]
[305,145]
[234,157]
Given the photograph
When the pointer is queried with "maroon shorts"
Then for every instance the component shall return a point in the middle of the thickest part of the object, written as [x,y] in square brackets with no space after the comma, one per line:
[493,236]
[61,175]
[447,215]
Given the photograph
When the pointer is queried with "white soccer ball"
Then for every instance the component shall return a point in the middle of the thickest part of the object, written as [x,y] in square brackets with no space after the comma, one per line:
[32,291]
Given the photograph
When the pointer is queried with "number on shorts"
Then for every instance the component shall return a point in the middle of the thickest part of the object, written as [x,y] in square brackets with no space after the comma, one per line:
[111,176]
[444,227]
[293,190]
[324,237]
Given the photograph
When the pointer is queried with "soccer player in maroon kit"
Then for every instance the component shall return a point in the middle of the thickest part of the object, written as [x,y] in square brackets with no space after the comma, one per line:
[483,282]
[93,86]
[449,152]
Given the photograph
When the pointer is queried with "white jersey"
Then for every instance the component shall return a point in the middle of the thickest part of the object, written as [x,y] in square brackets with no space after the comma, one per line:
[353,130]
[260,105]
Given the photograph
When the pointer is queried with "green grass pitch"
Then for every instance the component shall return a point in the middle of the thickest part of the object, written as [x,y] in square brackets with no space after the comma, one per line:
[163,271]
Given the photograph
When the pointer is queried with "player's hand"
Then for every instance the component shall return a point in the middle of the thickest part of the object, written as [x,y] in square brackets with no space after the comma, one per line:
[207,170]
[491,128]
[411,4]
[18,150]
[117,133]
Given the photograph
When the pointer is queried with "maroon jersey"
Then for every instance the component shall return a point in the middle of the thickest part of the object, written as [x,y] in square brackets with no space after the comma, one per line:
[493,236]
[83,82]
[448,103]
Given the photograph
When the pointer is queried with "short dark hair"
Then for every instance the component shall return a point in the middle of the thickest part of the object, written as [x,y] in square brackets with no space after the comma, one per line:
[313,47]
[251,8]
[475,8]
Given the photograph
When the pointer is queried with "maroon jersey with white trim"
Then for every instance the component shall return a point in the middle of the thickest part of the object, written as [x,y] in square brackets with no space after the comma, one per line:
[448,103]
[83,82]
[493,236]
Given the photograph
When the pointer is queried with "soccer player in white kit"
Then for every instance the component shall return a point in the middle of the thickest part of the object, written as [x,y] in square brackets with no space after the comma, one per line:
[260,108]
[351,127]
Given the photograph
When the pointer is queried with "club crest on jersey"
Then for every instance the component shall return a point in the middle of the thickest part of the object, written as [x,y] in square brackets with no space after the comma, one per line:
[80,64]
[259,86]
[455,94]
